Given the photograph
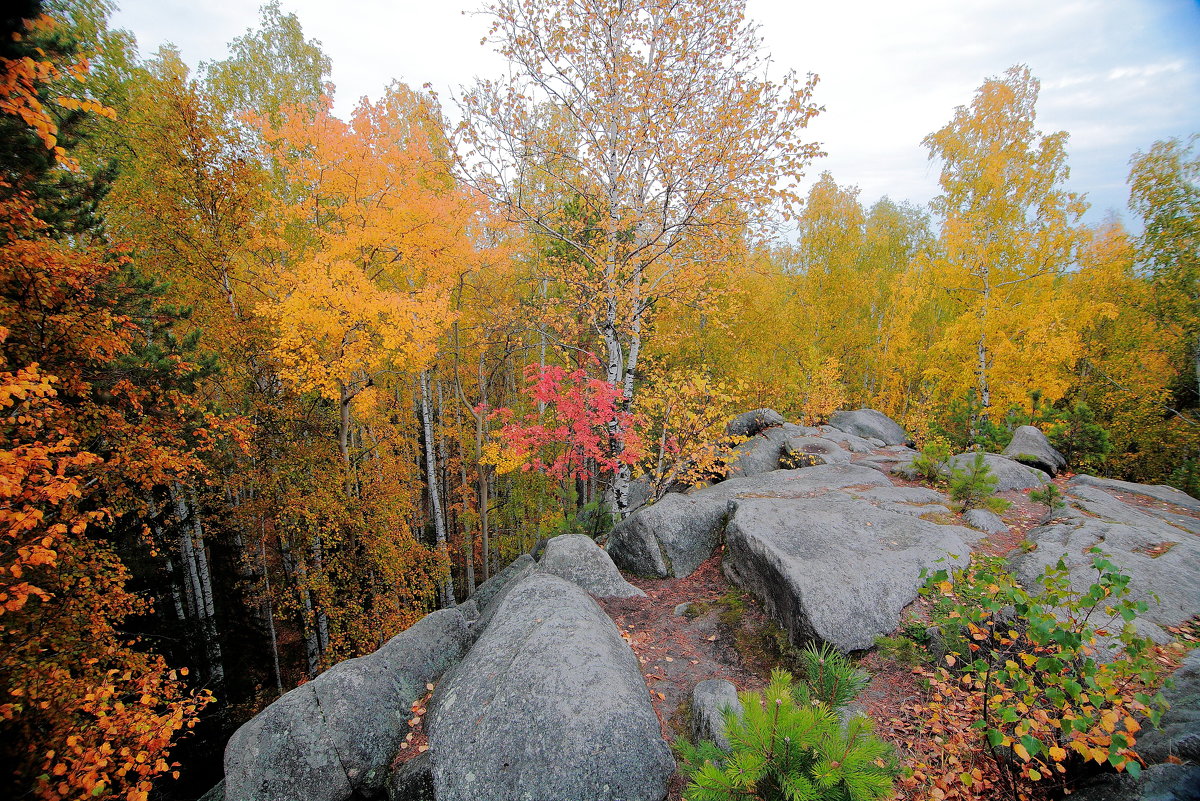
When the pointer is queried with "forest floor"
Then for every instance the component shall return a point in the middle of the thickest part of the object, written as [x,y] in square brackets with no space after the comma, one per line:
[723,633]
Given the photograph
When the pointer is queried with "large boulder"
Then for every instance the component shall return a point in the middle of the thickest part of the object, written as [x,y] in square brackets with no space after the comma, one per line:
[710,700]
[759,454]
[750,423]
[549,704]
[641,492]
[489,594]
[412,780]
[870,424]
[1010,475]
[577,558]
[675,535]
[488,590]
[835,568]
[1161,558]
[985,520]
[851,442]
[1030,446]
[803,451]
[337,734]
[891,459]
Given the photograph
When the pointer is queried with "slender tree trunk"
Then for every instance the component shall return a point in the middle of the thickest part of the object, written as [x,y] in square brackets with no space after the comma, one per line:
[195,561]
[344,437]
[312,642]
[482,481]
[268,605]
[176,575]
[446,590]
[1196,359]
[468,535]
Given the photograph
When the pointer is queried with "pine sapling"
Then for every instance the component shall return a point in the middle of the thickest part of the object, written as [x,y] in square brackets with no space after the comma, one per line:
[1052,497]
[974,485]
[789,744]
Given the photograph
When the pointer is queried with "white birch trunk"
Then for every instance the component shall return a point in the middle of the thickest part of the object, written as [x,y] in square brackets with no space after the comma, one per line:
[446,591]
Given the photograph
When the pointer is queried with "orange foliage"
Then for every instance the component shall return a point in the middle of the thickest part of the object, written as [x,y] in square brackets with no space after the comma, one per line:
[83,711]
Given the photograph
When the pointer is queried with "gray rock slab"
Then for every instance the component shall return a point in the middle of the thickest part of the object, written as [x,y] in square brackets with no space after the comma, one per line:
[489,594]
[1030,446]
[420,654]
[469,610]
[851,442]
[913,495]
[577,558]
[750,423]
[869,423]
[985,520]
[915,501]
[710,700]
[215,793]
[882,465]
[675,535]
[1179,734]
[338,733]
[1010,475]
[488,590]
[1157,783]
[412,780]
[1158,492]
[641,492]
[549,704]
[1169,582]
[835,568]
[285,752]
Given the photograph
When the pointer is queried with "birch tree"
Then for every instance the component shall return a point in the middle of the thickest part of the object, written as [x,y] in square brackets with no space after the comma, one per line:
[675,138]
[1010,228]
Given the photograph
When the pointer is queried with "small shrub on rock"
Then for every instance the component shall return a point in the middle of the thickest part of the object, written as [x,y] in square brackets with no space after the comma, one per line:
[789,744]
[974,485]
[932,459]
[1078,437]
[1051,496]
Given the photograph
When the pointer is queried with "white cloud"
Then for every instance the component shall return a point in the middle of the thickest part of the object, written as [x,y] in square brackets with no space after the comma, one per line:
[1115,75]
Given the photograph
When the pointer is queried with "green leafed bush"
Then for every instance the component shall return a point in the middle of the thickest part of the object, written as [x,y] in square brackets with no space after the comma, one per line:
[1034,657]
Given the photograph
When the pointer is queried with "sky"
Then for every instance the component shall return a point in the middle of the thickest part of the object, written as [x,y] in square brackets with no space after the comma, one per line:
[1117,75]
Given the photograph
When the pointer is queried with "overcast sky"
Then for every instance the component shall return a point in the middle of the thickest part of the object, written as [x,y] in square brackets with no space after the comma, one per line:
[1117,75]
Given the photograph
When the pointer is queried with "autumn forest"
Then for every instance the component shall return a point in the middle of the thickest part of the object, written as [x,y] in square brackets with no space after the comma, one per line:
[277,383]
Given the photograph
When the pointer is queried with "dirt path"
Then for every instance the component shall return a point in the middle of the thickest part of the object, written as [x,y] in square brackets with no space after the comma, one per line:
[677,651]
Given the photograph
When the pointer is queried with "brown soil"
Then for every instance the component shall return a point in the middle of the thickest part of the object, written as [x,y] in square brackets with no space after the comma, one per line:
[677,651]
